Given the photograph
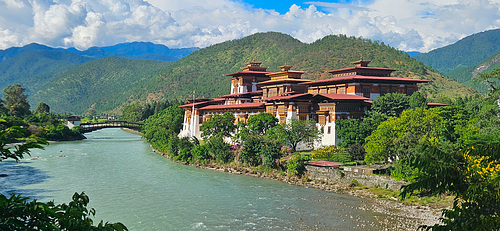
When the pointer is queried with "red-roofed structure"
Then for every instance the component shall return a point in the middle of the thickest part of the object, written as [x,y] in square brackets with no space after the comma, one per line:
[287,96]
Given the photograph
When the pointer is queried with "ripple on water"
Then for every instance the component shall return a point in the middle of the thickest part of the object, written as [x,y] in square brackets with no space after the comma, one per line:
[129,183]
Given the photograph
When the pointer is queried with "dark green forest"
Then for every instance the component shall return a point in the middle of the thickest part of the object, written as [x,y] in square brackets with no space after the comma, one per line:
[98,85]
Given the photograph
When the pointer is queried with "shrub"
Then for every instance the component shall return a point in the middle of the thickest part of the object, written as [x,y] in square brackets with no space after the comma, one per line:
[356,151]
[295,165]
[251,150]
[200,152]
[218,148]
[270,153]
[184,155]
[333,153]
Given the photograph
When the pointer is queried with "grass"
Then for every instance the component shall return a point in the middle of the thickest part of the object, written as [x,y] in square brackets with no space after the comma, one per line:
[436,202]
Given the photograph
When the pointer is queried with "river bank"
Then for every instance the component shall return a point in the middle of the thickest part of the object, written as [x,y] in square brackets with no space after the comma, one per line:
[392,213]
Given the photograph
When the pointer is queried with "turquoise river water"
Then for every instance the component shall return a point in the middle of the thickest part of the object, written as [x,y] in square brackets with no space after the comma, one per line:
[127,182]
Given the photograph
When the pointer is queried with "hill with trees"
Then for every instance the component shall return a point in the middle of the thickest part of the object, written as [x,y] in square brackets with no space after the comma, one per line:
[463,60]
[98,85]
[32,69]
[203,70]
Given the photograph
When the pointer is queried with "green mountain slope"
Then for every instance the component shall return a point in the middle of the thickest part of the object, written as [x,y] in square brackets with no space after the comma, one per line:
[467,74]
[203,70]
[98,85]
[32,69]
[469,51]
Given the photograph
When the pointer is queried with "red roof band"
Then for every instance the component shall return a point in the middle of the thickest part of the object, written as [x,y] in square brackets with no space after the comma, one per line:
[324,163]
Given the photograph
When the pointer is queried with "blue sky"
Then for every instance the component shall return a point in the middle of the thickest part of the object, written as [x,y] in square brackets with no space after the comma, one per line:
[283,6]
[408,25]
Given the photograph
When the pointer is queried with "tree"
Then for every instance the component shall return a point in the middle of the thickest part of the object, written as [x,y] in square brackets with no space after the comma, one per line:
[295,131]
[472,174]
[391,104]
[42,108]
[16,101]
[3,109]
[492,79]
[159,128]
[351,131]
[417,99]
[256,125]
[261,123]
[398,137]
[218,125]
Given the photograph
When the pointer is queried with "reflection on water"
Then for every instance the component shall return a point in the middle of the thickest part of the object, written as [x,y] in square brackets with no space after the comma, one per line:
[129,183]
[14,175]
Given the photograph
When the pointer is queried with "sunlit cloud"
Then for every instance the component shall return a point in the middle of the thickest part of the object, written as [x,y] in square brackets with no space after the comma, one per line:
[410,25]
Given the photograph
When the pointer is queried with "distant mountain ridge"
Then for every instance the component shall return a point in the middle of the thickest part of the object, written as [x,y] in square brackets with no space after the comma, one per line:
[132,50]
[467,57]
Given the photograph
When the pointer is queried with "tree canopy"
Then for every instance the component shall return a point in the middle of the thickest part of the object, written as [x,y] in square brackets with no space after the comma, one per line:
[16,101]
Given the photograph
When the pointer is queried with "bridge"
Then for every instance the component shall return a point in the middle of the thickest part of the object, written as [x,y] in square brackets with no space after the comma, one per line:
[90,127]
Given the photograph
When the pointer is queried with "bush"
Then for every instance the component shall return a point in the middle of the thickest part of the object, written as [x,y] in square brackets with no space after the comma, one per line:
[356,151]
[333,153]
[200,152]
[184,155]
[218,148]
[295,165]
[251,150]
[270,153]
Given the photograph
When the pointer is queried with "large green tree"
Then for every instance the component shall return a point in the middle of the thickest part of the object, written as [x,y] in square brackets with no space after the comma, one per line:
[492,79]
[398,137]
[16,101]
[160,128]
[218,125]
[42,108]
[391,104]
[296,131]
[471,174]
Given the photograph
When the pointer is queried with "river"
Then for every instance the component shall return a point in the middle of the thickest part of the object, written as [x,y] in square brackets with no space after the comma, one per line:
[127,182]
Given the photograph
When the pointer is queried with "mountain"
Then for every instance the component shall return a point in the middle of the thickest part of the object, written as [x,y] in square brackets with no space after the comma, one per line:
[35,65]
[468,51]
[462,60]
[32,68]
[203,70]
[412,53]
[98,85]
[137,50]
[466,75]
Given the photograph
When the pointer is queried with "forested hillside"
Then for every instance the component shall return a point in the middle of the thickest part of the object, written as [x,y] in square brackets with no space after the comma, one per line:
[203,70]
[463,60]
[469,51]
[32,69]
[98,85]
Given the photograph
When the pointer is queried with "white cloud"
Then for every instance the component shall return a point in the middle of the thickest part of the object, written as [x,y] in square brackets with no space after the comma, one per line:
[405,24]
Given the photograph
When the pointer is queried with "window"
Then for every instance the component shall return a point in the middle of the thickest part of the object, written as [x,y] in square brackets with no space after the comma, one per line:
[366,92]
[329,129]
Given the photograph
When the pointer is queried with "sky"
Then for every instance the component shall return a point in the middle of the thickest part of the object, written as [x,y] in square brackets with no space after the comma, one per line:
[408,25]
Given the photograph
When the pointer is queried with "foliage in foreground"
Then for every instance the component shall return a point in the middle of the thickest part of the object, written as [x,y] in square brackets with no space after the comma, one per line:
[472,175]
[19,213]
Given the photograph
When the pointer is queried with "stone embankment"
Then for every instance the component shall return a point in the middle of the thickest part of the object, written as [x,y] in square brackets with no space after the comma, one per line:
[350,174]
